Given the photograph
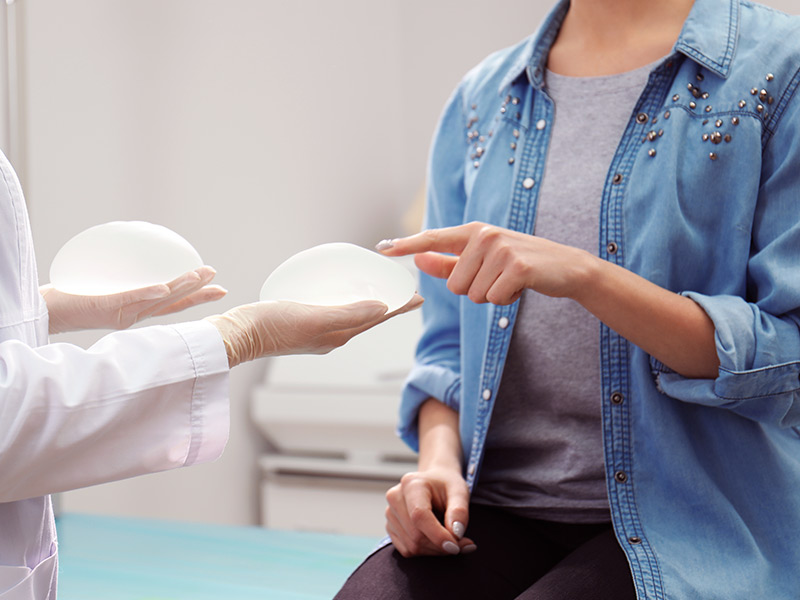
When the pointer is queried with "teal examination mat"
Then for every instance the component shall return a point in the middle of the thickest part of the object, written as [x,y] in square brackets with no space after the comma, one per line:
[112,558]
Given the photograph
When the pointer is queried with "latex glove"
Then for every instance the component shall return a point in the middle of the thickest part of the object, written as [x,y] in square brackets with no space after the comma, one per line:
[69,312]
[261,329]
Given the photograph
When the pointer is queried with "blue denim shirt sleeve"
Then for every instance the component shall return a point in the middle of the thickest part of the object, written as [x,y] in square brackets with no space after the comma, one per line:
[758,337]
[437,371]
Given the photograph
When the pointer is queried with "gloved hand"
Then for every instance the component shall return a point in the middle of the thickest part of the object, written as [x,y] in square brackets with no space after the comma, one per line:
[261,329]
[119,311]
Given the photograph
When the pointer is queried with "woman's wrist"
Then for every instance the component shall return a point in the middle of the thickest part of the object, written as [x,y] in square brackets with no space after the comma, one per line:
[586,272]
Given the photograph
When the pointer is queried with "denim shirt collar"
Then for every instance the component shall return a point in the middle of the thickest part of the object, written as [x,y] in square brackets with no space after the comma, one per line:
[708,37]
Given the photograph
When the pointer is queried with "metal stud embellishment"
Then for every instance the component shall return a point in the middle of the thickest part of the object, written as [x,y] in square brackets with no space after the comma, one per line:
[476,139]
[692,104]
[708,108]
[712,155]
[770,77]
[666,115]
[718,123]
[742,103]
[651,153]
[735,120]
[675,98]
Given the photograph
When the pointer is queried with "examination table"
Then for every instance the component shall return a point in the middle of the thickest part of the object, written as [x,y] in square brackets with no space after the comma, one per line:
[112,558]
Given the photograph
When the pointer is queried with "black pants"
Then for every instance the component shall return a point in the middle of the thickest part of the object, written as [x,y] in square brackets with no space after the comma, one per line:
[516,559]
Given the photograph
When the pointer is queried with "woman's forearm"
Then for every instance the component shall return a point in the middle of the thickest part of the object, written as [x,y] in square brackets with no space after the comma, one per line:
[672,328]
[439,440]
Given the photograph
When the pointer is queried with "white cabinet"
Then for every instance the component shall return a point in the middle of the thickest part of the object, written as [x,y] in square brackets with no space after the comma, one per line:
[332,421]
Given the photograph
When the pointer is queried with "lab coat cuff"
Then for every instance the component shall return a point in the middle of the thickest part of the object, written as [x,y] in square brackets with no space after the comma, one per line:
[210,409]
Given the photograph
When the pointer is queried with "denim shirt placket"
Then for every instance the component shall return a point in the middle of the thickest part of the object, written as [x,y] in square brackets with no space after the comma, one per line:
[615,350]
[532,133]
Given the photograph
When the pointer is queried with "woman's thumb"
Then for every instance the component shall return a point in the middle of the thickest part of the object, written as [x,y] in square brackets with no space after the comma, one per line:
[456,516]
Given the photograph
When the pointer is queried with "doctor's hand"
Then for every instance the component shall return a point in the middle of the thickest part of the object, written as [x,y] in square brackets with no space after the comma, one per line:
[262,329]
[69,312]
[493,264]
[411,519]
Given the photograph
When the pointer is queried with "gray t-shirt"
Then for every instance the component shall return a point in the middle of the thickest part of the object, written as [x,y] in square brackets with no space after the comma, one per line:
[544,449]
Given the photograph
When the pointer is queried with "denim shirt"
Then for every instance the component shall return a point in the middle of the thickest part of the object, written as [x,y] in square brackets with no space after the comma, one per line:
[702,198]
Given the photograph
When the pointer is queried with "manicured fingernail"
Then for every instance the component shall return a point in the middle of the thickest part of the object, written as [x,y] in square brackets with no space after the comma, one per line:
[458,529]
[384,245]
[468,549]
[450,548]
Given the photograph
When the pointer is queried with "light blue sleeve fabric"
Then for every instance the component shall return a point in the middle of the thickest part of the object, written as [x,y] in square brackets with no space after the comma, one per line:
[437,371]
[758,337]
[759,374]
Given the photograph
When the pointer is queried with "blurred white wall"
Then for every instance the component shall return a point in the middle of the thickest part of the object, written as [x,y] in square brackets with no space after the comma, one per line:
[254,128]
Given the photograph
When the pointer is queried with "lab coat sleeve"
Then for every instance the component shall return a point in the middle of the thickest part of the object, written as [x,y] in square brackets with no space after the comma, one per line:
[758,336]
[136,402]
[437,369]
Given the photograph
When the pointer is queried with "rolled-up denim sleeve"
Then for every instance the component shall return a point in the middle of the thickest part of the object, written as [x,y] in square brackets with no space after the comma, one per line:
[759,353]
[758,335]
[437,370]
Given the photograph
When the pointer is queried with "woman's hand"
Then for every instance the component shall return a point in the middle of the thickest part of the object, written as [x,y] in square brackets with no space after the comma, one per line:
[411,519]
[493,264]
[261,329]
[119,311]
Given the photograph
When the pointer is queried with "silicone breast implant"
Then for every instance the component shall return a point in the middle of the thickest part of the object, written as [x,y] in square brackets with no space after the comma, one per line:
[121,256]
[340,273]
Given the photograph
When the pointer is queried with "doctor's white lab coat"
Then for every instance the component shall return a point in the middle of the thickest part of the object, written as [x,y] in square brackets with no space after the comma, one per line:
[136,402]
